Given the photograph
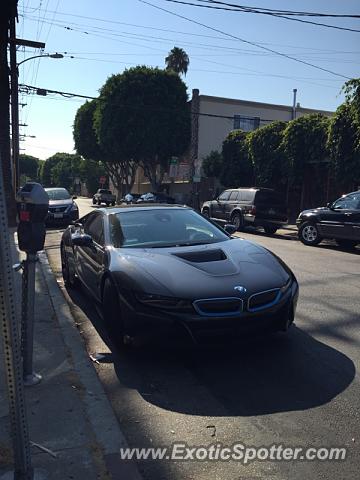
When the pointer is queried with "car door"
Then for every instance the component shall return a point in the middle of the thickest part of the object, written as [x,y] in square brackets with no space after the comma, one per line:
[335,221]
[231,203]
[353,216]
[219,205]
[91,260]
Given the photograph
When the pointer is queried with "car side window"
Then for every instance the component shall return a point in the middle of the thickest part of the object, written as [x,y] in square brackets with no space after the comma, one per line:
[224,196]
[95,228]
[234,196]
[350,202]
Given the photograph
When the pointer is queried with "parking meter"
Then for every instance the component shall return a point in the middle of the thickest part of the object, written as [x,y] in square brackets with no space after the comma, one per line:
[32,207]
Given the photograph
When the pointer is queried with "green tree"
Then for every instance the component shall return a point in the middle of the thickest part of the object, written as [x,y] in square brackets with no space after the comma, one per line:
[142,116]
[304,142]
[213,164]
[344,137]
[177,61]
[270,164]
[237,168]
[61,169]
[28,166]
[120,169]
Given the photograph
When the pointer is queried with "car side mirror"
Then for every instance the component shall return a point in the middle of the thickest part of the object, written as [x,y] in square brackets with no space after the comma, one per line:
[230,229]
[82,240]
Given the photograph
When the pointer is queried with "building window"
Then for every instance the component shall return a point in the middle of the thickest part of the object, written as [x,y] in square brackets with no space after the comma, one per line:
[246,123]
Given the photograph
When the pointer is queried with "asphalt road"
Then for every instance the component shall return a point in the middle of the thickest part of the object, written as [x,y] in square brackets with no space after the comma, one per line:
[299,389]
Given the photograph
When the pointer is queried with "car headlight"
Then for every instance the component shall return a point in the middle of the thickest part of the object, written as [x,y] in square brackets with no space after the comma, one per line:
[285,287]
[166,303]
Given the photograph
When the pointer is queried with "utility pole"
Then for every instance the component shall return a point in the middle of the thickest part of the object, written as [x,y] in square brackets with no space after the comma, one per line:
[14,42]
[294,105]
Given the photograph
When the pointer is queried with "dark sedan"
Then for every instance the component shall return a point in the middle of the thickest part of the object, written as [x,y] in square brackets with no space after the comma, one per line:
[62,208]
[163,269]
[340,221]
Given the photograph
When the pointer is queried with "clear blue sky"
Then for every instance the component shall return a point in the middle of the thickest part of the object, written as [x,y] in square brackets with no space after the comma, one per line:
[105,37]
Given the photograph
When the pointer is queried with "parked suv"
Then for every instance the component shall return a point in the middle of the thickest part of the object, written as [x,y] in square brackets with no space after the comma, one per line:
[104,196]
[339,220]
[259,207]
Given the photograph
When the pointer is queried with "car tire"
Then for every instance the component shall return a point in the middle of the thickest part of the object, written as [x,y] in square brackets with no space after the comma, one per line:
[206,212]
[270,230]
[70,280]
[107,204]
[113,204]
[309,234]
[347,244]
[94,201]
[111,310]
[237,220]
[99,202]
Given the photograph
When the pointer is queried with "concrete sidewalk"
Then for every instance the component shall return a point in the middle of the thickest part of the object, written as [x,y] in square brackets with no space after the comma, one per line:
[68,412]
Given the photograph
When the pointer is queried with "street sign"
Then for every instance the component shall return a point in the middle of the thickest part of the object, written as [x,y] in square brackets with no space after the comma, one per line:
[173,160]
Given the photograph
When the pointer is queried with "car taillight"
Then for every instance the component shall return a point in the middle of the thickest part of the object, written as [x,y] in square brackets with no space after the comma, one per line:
[253,210]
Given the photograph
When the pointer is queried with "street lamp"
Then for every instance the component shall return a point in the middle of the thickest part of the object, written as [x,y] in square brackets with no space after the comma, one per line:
[15,113]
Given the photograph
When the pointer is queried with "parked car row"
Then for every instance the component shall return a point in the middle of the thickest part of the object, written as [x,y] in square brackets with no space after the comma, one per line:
[242,207]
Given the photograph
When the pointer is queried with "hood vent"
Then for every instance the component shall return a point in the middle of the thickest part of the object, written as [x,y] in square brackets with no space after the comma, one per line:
[202,256]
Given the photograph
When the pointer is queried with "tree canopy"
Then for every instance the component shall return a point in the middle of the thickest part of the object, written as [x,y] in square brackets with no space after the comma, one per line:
[344,137]
[142,116]
[237,168]
[304,141]
[177,61]
[271,167]
[29,166]
[213,164]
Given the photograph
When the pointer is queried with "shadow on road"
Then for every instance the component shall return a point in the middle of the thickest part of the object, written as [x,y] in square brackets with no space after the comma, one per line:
[255,377]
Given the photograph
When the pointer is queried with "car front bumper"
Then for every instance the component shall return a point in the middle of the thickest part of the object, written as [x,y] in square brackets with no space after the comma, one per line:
[62,218]
[167,325]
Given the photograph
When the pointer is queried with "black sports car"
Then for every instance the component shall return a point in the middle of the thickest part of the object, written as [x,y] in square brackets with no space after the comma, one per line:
[163,269]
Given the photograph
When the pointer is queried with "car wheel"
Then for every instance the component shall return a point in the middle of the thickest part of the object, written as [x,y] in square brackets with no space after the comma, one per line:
[107,204]
[94,201]
[309,234]
[270,230]
[99,202]
[237,220]
[113,204]
[206,212]
[70,280]
[348,244]
[112,313]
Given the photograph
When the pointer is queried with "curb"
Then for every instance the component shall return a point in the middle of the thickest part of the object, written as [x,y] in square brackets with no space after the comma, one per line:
[97,406]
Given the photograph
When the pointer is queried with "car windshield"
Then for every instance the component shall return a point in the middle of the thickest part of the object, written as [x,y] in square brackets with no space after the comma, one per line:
[162,228]
[58,194]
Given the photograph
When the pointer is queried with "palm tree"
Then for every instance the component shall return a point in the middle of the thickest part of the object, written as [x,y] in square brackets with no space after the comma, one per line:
[177,61]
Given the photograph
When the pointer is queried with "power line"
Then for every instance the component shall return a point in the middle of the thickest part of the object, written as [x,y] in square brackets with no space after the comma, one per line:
[30,88]
[289,57]
[277,15]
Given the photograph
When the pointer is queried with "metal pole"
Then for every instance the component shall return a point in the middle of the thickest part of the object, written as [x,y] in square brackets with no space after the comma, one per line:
[18,420]
[27,320]
[294,104]
[14,105]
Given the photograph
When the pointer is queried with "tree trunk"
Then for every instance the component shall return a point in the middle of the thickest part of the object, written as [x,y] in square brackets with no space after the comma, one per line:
[5,158]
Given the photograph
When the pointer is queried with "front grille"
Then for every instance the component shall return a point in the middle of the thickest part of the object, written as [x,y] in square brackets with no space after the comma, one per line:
[218,307]
[262,300]
[57,209]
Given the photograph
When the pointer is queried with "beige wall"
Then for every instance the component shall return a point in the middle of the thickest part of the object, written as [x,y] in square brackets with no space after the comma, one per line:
[212,130]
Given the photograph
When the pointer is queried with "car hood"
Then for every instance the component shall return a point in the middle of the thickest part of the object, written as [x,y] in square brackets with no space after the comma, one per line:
[313,210]
[58,203]
[202,271]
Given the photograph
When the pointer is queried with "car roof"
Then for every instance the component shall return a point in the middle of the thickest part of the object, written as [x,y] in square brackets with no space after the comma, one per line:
[54,188]
[137,207]
[253,189]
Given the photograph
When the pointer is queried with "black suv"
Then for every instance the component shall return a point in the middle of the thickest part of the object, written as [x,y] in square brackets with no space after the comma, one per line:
[340,220]
[259,207]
